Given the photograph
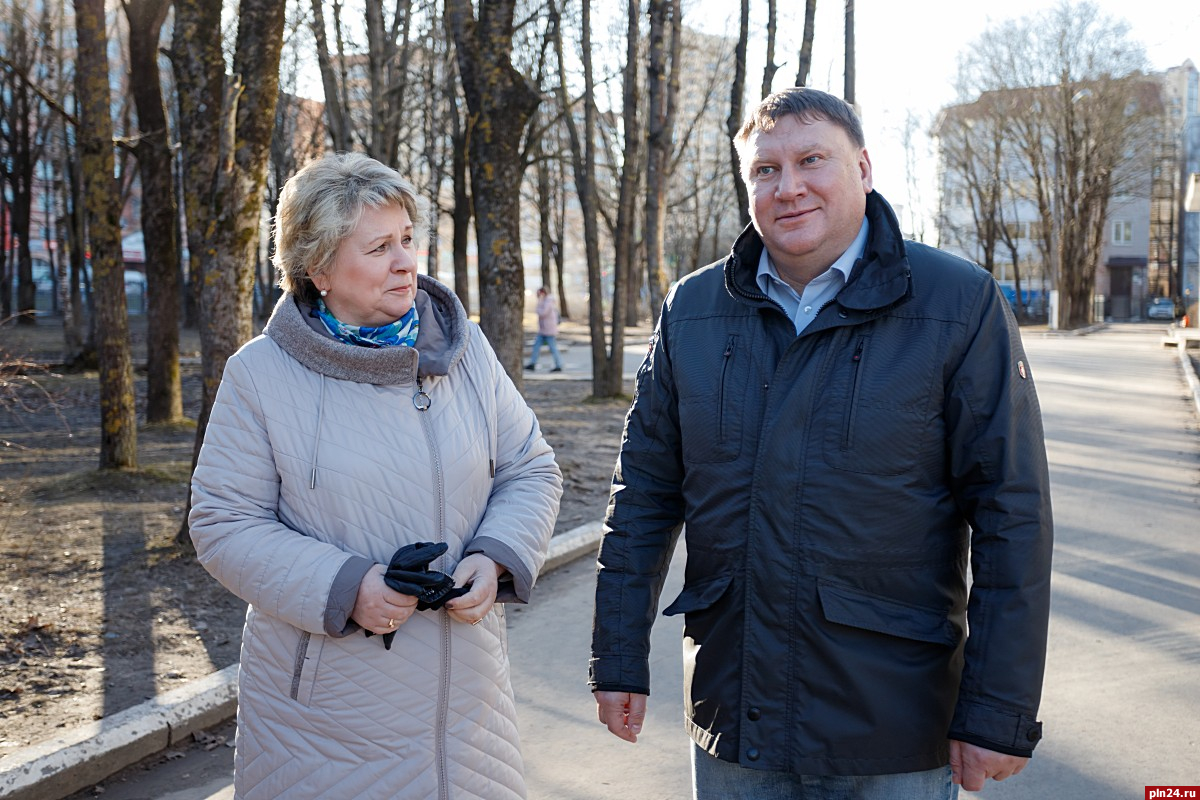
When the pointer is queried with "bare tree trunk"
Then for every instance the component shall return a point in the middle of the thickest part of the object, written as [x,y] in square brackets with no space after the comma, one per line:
[21,136]
[848,86]
[737,103]
[77,234]
[118,419]
[72,314]
[164,394]
[624,234]
[225,301]
[5,280]
[336,114]
[387,65]
[435,142]
[560,235]
[199,69]
[770,68]
[663,86]
[236,143]
[545,235]
[583,159]
[461,215]
[804,64]
[501,101]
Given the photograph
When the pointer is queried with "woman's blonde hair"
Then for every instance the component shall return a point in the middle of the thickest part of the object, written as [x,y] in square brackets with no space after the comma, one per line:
[322,204]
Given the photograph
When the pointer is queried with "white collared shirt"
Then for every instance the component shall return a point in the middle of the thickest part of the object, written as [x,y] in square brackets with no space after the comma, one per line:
[802,309]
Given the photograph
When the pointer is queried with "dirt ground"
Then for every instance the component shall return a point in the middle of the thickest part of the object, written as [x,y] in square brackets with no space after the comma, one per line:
[99,609]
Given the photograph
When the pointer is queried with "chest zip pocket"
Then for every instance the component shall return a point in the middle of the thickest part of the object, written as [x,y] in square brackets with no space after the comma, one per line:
[852,399]
[722,390]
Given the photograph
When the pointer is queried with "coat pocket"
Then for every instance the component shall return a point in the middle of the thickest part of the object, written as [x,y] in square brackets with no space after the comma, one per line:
[846,605]
[712,399]
[304,673]
[875,409]
[699,596]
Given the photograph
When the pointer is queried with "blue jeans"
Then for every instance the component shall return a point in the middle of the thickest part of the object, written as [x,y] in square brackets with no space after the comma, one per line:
[714,779]
[552,343]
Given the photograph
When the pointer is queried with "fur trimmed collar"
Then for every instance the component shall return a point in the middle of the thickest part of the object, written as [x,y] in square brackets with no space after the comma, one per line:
[441,341]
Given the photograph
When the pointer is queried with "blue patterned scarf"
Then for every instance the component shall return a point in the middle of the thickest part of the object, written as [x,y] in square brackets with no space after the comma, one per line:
[402,332]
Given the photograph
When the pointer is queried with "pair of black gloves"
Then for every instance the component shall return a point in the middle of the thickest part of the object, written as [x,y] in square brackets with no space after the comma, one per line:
[408,573]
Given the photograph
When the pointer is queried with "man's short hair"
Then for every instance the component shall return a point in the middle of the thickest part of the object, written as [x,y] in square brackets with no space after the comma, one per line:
[810,105]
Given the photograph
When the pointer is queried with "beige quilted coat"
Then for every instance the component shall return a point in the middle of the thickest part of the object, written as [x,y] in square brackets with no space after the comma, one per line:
[316,463]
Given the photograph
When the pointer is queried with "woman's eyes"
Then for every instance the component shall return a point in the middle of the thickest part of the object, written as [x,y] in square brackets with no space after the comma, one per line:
[406,241]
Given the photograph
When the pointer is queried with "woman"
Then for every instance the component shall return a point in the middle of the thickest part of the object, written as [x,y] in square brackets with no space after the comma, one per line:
[547,315]
[370,415]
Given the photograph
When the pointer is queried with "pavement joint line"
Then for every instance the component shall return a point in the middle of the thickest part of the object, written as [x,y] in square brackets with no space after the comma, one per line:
[89,753]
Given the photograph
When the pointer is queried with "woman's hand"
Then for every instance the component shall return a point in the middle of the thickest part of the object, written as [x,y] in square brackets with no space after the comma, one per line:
[379,608]
[484,576]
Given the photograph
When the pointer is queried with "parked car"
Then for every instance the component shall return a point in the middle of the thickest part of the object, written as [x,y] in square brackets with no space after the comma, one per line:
[46,299]
[1161,308]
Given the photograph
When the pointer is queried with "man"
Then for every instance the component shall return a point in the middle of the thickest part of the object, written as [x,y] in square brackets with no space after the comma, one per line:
[842,419]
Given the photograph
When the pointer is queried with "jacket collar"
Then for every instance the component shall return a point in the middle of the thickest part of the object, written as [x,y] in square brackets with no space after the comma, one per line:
[441,341]
[879,280]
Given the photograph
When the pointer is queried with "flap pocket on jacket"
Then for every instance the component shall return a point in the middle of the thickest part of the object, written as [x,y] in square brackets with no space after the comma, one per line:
[699,596]
[856,608]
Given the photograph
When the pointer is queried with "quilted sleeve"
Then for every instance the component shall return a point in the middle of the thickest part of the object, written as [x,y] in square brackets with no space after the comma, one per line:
[234,520]
[523,505]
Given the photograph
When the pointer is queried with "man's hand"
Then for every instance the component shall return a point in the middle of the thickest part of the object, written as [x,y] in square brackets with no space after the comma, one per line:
[971,765]
[622,712]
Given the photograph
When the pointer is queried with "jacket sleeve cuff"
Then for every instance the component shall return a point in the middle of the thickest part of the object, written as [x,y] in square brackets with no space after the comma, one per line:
[517,585]
[619,674]
[996,729]
[342,596]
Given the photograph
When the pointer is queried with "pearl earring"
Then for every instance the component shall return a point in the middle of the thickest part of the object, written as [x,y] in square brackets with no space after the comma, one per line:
[324,293]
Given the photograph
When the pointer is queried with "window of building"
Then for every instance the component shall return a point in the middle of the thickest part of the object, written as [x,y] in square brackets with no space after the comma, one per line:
[1018,230]
[1122,232]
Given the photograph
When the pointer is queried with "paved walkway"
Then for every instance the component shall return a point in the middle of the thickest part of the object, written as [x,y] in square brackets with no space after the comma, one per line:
[574,346]
[1121,705]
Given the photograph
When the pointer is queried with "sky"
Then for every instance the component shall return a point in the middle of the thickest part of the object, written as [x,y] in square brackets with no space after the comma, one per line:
[907,54]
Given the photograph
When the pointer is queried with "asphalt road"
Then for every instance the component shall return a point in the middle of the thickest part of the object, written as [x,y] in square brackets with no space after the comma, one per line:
[1121,704]
[1122,697]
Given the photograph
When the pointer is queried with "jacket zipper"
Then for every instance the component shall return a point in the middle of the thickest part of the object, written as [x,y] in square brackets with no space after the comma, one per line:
[444,679]
[852,403]
[728,357]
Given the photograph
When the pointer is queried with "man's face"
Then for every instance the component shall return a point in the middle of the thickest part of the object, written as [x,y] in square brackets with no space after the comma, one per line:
[808,186]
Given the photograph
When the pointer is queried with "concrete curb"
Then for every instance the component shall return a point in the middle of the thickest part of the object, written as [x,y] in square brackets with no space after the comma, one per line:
[1189,373]
[86,755]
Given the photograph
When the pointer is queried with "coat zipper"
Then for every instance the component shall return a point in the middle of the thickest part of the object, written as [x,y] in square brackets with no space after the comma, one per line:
[444,678]
[728,357]
[852,404]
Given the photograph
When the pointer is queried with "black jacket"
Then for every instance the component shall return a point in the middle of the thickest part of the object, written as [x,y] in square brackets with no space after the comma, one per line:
[834,485]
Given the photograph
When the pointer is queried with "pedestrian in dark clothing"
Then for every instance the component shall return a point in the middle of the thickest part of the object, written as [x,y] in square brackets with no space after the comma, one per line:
[845,421]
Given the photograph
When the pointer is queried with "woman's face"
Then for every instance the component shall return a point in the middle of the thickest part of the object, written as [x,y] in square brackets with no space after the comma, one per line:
[373,278]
